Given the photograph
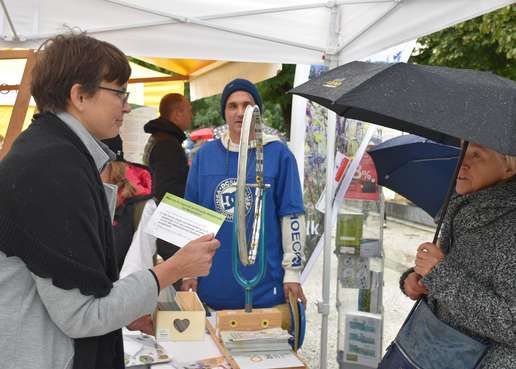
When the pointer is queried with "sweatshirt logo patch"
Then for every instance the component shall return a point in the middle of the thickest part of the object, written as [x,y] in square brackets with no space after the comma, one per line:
[225,197]
[295,237]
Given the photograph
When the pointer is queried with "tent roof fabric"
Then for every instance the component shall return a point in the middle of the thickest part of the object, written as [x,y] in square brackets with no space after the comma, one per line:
[186,67]
[296,32]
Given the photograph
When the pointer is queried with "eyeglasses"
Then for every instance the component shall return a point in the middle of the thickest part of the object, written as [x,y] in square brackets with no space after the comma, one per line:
[122,94]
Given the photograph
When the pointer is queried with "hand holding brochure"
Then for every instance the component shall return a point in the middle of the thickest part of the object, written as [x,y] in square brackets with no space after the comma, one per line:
[179,221]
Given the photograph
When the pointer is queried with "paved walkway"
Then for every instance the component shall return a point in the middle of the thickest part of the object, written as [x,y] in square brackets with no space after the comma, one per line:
[400,242]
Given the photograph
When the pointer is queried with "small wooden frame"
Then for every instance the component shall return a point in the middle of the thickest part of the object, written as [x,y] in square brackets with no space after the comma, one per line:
[186,324]
[21,104]
[240,320]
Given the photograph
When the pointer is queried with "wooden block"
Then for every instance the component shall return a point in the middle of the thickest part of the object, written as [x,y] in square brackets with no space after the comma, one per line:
[187,324]
[239,320]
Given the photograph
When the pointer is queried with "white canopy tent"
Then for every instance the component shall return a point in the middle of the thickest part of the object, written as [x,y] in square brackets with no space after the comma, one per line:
[294,31]
[287,31]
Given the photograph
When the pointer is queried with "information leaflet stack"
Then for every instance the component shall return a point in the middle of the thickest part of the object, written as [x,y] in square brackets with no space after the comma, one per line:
[358,246]
[264,341]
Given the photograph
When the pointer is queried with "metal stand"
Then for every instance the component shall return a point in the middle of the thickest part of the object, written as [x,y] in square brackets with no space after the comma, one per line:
[248,285]
[244,253]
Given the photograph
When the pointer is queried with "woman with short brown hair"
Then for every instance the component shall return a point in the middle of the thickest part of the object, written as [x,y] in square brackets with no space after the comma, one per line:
[60,297]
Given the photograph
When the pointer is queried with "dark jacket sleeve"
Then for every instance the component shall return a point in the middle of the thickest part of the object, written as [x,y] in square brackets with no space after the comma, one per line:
[169,168]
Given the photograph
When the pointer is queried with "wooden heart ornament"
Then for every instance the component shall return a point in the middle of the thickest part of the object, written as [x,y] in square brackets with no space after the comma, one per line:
[181,324]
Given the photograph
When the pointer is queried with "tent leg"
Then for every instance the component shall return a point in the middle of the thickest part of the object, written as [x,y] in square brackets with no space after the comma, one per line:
[324,305]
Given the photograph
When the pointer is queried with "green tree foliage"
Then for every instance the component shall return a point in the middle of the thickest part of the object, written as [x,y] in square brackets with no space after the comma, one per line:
[277,103]
[206,112]
[486,43]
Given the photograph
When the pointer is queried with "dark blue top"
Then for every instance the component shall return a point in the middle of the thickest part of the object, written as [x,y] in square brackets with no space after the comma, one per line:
[211,184]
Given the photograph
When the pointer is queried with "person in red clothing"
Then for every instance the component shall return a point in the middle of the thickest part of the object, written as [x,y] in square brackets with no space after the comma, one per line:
[134,188]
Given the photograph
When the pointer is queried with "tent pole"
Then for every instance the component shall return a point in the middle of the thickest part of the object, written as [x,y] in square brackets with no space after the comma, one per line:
[369,26]
[324,305]
[202,23]
[10,21]
[94,30]
[281,9]
[297,125]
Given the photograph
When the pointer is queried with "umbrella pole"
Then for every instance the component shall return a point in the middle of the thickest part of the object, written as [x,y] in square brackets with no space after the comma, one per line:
[451,188]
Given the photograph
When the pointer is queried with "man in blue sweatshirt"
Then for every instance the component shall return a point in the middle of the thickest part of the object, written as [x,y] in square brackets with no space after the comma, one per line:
[212,184]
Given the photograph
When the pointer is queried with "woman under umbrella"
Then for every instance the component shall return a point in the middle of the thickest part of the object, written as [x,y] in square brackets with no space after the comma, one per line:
[469,276]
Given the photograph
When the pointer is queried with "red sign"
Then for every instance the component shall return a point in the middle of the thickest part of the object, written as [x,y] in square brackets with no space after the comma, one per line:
[364,184]
[342,169]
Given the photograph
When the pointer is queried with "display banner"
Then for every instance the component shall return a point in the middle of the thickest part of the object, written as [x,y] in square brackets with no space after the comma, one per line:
[311,150]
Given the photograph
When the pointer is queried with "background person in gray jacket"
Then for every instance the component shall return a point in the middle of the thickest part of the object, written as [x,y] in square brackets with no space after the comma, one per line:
[61,303]
[470,276]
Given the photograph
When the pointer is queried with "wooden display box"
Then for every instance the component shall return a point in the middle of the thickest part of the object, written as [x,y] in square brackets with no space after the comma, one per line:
[239,320]
[184,321]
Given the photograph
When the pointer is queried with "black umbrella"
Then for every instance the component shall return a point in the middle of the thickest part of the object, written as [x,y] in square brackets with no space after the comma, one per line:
[443,104]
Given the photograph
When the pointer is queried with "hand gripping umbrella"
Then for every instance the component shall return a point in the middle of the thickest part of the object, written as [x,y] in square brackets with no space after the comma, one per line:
[439,103]
[244,252]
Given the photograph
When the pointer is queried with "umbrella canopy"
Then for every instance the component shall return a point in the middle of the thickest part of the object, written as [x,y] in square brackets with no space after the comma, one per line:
[416,168]
[443,104]
[204,133]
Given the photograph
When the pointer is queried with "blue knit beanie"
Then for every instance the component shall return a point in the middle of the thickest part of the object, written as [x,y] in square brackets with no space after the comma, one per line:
[239,85]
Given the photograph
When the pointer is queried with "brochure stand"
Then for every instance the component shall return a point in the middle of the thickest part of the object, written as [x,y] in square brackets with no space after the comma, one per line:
[359,249]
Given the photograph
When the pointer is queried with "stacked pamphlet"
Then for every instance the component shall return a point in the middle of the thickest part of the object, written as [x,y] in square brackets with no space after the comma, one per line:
[211,363]
[272,360]
[349,233]
[142,349]
[266,340]
[363,340]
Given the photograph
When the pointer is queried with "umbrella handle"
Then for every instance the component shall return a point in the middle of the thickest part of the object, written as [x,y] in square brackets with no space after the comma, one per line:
[451,188]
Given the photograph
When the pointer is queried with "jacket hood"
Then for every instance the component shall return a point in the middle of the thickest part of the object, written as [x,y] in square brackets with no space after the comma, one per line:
[161,124]
[267,139]
[140,177]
